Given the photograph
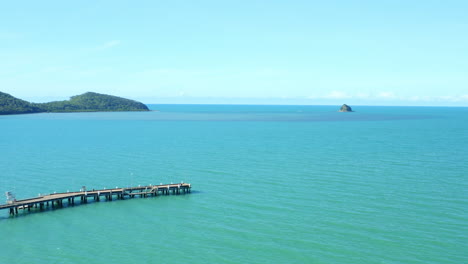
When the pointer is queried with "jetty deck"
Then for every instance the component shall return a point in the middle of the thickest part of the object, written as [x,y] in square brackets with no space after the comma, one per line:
[57,199]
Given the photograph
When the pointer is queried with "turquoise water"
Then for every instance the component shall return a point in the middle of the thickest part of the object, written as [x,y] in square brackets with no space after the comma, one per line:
[271,184]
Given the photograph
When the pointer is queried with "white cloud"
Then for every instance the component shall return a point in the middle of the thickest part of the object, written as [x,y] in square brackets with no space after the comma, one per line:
[414,98]
[392,98]
[386,95]
[363,95]
[460,98]
[337,95]
[446,98]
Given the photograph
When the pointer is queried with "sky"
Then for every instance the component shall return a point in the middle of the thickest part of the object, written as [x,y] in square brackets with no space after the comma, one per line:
[385,52]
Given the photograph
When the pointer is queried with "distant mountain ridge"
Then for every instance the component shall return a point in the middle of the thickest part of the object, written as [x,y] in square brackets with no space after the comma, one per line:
[87,102]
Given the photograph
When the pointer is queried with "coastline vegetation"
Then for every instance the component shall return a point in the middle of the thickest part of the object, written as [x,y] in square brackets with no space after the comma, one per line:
[87,102]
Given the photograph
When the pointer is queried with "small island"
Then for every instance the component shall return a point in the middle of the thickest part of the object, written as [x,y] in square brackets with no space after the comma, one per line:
[87,102]
[346,108]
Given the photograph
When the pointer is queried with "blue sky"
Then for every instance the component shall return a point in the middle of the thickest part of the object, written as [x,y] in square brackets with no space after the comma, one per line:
[267,52]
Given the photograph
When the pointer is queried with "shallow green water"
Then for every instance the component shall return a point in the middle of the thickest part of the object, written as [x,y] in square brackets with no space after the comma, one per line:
[271,184]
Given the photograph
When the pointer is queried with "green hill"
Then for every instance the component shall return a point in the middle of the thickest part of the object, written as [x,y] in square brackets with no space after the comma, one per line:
[87,102]
[12,105]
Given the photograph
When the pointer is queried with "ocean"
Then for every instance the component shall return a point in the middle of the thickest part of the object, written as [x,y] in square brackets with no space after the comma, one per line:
[270,184]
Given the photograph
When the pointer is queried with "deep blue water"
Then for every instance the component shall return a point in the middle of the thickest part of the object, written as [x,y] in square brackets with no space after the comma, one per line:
[271,184]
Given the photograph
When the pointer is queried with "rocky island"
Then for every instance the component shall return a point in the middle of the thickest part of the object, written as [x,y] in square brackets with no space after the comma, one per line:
[346,108]
[87,102]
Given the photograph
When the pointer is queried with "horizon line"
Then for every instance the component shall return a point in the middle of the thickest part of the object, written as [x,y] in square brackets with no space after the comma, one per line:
[190,100]
[267,104]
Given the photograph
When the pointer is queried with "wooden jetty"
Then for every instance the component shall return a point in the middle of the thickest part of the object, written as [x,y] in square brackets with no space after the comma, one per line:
[56,199]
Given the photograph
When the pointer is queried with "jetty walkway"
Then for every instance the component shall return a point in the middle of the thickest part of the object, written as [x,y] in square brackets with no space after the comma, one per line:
[57,199]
